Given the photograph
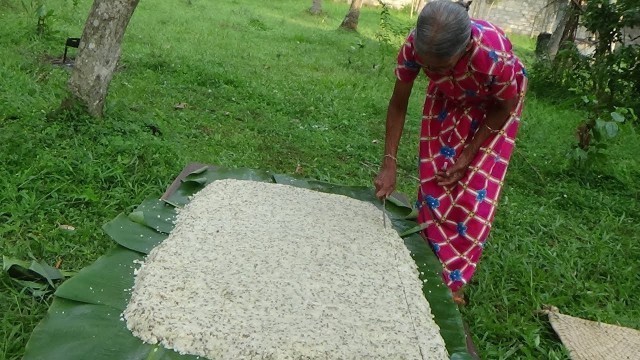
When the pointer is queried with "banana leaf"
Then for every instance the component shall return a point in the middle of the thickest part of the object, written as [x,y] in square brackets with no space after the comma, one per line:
[76,330]
[84,318]
[107,281]
[183,194]
[209,174]
[133,235]
[199,178]
[156,214]
[397,206]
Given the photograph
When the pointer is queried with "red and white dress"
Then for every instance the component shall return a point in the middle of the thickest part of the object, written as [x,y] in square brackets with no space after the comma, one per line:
[458,218]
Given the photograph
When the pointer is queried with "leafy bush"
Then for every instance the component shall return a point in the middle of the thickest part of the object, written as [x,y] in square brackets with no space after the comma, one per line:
[391,29]
[592,135]
[44,15]
[607,82]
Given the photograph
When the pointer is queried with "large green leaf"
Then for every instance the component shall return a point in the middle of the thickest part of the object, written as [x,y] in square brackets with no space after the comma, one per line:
[210,174]
[413,230]
[444,310]
[78,331]
[133,235]
[106,282]
[155,214]
[183,193]
[199,178]
[72,329]
[290,180]
[617,117]
[396,207]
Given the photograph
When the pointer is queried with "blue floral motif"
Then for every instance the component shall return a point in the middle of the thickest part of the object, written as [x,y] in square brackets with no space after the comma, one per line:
[482,194]
[492,80]
[462,229]
[436,247]
[470,93]
[411,64]
[524,72]
[455,275]
[496,158]
[474,124]
[443,115]
[432,202]
[448,152]
[479,26]
[493,55]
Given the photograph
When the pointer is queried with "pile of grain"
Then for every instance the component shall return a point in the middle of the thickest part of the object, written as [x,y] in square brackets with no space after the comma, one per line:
[266,271]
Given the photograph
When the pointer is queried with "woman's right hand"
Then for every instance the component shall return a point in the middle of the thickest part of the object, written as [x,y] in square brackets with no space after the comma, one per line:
[385,182]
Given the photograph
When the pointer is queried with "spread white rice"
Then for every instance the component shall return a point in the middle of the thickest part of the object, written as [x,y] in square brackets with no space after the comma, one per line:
[265,271]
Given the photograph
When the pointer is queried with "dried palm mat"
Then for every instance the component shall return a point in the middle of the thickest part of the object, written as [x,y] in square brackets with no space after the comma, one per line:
[591,340]
[84,318]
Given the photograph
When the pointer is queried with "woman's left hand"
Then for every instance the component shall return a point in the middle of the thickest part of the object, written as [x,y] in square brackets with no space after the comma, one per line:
[453,174]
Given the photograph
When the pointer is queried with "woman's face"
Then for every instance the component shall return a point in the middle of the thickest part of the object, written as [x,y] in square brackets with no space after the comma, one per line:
[442,65]
[439,65]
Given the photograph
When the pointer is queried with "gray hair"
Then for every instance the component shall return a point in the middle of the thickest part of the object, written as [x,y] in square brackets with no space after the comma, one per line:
[443,29]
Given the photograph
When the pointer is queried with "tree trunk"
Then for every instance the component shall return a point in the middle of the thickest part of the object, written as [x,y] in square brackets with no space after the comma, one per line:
[556,37]
[316,7]
[99,52]
[350,21]
[574,11]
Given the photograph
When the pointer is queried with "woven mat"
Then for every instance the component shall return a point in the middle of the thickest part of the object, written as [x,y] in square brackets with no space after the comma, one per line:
[591,340]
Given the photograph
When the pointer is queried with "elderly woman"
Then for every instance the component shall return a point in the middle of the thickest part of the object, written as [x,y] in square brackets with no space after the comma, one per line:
[469,124]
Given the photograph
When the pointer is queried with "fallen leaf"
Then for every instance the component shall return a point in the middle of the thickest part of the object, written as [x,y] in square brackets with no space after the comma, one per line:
[31,271]
[299,169]
[66,227]
[375,141]
[180,106]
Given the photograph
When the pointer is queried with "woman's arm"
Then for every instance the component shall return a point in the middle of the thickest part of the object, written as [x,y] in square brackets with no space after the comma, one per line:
[497,116]
[385,182]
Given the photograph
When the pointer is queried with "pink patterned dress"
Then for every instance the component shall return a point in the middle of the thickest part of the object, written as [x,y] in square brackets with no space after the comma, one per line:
[458,218]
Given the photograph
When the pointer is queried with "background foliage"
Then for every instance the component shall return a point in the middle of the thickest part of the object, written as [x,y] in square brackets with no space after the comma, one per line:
[605,81]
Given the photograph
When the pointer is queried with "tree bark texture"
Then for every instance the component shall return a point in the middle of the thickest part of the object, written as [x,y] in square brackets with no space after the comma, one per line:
[350,21]
[556,37]
[574,11]
[316,7]
[99,52]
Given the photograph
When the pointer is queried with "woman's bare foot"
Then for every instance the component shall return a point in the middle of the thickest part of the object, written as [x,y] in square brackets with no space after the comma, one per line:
[459,298]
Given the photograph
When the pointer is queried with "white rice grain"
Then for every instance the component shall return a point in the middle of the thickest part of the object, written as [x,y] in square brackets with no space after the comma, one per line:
[265,271]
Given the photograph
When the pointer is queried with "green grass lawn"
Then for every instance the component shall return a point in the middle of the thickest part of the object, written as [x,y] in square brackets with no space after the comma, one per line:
[269,86]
